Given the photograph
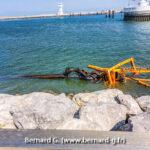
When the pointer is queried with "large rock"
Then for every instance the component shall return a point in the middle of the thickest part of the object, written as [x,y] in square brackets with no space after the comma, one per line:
[96,97]
[138,123]
[6,103]
[43,111]
[144,103]
[76,124]
[106,116]
[130,103]
[35,110]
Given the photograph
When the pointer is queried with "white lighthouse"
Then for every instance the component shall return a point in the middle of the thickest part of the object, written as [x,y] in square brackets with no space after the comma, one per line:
[60,11]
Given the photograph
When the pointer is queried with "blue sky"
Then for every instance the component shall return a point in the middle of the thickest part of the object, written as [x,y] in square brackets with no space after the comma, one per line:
[35,7]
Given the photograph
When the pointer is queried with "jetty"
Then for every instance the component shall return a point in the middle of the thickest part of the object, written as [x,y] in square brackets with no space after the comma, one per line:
[56,15]
[60,13]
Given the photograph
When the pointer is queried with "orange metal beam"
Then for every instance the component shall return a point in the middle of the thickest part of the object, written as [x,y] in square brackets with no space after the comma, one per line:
[136,71]
[140,81]
[143,83]
[111,72]
[131,60]
[97,68]
[148,80]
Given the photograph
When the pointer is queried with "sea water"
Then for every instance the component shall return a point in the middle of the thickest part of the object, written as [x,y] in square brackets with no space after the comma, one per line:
[48,46]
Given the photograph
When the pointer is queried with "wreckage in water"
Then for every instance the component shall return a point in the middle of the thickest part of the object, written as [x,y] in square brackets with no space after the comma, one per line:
[111,75]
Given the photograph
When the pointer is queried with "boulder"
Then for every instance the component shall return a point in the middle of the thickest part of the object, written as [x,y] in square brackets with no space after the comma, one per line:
[6,103]
[130,103]
[76,124]
[105,116]
[138,123]
[2,96]
[43,111]
[35,110]
[96,97]
[144,103]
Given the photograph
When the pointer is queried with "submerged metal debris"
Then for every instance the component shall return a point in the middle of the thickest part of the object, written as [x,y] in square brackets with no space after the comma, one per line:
[109,75]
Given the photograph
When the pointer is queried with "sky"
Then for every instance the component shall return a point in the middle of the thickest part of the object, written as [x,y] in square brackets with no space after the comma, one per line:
[36,7]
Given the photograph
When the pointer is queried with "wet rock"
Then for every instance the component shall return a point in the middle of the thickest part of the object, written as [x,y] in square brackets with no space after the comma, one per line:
[130,103]
[138,123]
[70,95]
[144,103]
[106,116]
[96,97]
[43,111]
[126,127]
[50,92]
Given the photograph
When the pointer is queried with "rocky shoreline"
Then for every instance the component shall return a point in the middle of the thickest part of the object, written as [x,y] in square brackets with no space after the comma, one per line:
[105,110]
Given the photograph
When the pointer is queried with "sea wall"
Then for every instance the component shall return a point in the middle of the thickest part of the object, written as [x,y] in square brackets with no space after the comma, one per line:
[64,15]
[106,110]
[137,16]
[51,16]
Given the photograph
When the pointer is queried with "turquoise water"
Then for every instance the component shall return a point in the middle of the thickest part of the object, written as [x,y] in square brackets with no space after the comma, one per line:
[48,46]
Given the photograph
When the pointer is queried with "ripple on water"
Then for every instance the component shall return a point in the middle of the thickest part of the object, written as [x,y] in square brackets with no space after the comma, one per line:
[46,46]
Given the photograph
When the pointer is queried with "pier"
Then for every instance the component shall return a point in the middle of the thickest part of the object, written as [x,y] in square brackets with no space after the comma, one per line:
[111,13]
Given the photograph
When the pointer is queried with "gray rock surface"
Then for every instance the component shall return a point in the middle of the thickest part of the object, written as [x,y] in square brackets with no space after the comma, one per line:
[105,116]
[130,103]
[43,111]
[35,110]
[138,123]
[144,103]
[101,110]
[76,124]
[6,103]
[96,97]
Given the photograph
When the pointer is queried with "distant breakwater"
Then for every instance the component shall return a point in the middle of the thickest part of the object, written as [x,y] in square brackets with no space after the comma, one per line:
[55,15]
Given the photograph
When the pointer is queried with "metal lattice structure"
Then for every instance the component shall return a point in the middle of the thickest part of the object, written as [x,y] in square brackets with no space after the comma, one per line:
[117,73]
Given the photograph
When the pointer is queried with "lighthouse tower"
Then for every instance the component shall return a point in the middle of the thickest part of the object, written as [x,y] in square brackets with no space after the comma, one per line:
[60,11]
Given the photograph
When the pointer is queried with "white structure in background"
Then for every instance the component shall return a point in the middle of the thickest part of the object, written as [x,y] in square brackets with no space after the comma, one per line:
[142,7]
[140,12]
[60,11]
